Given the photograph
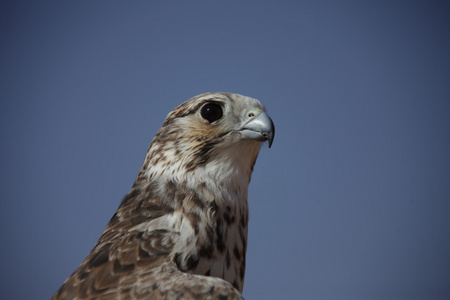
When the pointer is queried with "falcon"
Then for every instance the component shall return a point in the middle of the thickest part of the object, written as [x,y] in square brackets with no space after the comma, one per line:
[181,231]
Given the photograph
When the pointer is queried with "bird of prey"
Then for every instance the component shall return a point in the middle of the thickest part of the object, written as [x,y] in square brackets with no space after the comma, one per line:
[181,231]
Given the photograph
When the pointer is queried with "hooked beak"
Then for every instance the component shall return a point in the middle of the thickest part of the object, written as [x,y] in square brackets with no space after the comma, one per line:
[260,128]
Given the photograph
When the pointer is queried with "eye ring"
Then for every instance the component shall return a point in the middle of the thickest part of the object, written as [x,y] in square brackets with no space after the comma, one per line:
[211,112]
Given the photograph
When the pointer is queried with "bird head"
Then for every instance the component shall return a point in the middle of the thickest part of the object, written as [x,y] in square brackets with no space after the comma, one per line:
[220,132]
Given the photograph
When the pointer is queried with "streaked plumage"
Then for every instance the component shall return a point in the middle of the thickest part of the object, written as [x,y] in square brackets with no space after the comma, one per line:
[181,232]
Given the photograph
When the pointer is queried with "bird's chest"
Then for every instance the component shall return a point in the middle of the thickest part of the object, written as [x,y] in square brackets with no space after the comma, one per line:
[228,258]
[218,246]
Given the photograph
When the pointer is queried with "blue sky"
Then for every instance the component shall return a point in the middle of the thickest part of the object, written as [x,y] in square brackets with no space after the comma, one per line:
[351,201]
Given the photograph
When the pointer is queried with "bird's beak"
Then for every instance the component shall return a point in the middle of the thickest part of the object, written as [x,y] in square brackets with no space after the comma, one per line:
[260,128]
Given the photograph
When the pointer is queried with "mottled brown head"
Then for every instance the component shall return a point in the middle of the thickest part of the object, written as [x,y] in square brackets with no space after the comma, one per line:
[215,129]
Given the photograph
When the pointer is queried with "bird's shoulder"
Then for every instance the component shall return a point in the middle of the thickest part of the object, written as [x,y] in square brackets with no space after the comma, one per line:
[135,255]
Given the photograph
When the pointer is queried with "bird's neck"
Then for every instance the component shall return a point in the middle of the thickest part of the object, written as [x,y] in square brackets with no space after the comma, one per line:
[210,211]
[227,172]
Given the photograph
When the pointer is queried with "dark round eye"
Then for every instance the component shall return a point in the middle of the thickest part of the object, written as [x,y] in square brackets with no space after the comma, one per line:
[212,112]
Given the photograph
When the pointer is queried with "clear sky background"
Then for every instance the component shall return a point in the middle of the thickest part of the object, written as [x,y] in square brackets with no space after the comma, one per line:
[351,202]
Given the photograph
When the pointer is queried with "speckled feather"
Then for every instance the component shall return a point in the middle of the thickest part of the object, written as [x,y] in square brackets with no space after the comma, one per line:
[181,232]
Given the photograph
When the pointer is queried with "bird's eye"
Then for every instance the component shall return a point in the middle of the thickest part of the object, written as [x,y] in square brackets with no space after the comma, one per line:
[212,112]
